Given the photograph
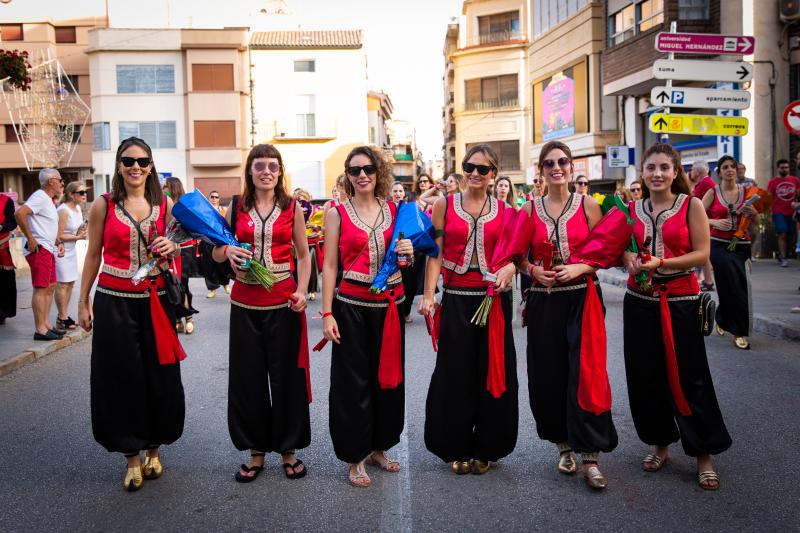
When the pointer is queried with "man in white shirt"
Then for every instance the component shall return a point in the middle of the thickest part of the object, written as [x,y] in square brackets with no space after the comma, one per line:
[38,221]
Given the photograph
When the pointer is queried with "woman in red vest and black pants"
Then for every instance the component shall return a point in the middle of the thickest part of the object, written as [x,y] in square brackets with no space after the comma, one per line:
[136,391]
[469,422]
[269,387]
[367,396]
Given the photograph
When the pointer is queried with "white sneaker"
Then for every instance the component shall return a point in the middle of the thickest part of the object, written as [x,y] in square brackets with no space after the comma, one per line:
[228,288]
[784,263]
[211,294]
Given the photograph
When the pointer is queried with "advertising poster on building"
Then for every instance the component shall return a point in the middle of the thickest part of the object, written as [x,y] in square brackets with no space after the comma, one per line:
[558,106]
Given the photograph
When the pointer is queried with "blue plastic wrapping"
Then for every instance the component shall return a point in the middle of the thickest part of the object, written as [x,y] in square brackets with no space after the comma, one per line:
[202,220]
[416,227]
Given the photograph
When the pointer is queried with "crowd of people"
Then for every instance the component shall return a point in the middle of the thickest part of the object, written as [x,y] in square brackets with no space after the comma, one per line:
[671,225]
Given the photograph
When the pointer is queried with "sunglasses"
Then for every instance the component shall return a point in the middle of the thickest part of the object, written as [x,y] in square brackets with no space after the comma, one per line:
[82,193]
[60,180]
[563,162]
[582,183]
[423,181]
[355,172]
[469,168]
[142,161]
[636,189]
[214,197]
[260,166]
[536,182]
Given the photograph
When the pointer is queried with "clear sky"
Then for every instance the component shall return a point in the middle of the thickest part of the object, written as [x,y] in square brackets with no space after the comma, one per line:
[403,39]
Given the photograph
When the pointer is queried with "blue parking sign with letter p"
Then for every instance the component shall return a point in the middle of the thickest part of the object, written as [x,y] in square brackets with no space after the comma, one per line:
[677,97]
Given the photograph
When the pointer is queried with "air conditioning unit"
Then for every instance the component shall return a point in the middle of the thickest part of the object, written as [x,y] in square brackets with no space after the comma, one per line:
[789,10]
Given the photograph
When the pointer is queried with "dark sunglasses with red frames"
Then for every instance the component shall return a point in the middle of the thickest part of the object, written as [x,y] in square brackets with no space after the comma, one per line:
[562,162]
[469,168]
[141,161]
[355,172]
[261,166]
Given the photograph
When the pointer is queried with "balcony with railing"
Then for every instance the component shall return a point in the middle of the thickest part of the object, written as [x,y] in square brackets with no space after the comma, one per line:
[491,103]
[495,38]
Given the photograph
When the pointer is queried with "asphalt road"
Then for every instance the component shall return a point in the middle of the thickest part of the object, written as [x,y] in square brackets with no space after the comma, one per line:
[53,476]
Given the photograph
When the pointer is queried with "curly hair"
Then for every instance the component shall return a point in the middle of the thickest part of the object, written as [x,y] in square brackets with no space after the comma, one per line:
[681,182]
[417,191]
[384,178]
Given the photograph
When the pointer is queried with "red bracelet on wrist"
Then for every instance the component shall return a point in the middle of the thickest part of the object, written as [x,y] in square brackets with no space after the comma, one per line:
[327,314]
[660,263]
[225,251]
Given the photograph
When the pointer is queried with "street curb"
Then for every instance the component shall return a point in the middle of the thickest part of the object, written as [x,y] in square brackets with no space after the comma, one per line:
[40,350]
[761,323]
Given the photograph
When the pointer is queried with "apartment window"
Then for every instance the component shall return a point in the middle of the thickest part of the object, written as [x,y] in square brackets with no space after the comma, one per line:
[548,13]
[145,79]
[11,134]
[694,10]
[633,19]
[507,151]
[373,136]
[214,133]
[651,14]
[305,117]
[498,28]
[68,84]
[11,32]
[101,136]
[212,77]
[493,92]
[156,134]
[305,65]
[65,34]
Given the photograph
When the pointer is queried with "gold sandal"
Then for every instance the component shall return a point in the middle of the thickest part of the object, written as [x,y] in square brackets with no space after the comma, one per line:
[567,463]
[720,331]
[359,477]
[461,467]
[742,343]
[656,461]
[480,467]
[133,478]
[383,462]
[595,478]
[706,477]
[152,468]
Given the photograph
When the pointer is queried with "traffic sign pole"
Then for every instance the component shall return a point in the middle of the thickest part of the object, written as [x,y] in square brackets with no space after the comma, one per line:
[673,27]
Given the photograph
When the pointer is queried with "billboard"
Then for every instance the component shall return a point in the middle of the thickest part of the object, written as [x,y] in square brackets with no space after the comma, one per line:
[560,104]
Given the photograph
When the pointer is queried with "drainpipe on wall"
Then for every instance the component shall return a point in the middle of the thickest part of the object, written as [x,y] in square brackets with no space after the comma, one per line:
[252,99]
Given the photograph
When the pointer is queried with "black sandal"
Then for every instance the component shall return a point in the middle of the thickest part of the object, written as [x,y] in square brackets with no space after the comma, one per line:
[65,324]
[242,478]
[295,474]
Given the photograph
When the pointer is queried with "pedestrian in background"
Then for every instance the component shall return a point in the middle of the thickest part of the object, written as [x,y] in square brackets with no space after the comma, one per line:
[136,391]
[636,190]
[741,175]
[398,193]
[367,392]
[466,424]
[186,266]
[338,195]
[268,389]
[670,389]
[581,185]
[38,221]
[557,349]
[71,229]
[701,183]
[504,191]
[537,189]
[724,205]
[8,280]
[206,260]
[423,189]
[784,189]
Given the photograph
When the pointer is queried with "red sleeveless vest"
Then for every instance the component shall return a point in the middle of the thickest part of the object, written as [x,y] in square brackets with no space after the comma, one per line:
[123,249]
[668,231]
[567,230]
[271,238]
[361,251]
[465,238]
[720,209]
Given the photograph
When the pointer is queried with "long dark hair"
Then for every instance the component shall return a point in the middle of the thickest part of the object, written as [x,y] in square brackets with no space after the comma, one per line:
[510,195]
[681,182]
[282,198]
[152,188]
[174,188]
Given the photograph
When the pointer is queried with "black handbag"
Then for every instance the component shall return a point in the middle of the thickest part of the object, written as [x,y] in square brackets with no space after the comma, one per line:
[173,287]
[708,308]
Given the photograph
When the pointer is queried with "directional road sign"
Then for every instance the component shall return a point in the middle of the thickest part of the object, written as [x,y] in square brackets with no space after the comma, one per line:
[704,43]
[698,124]
[692,70]
[704,98]
[619,156]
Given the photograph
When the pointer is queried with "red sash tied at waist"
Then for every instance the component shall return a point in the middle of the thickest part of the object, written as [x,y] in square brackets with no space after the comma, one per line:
[169,347]
[496,375]
[683,286]
[594,390]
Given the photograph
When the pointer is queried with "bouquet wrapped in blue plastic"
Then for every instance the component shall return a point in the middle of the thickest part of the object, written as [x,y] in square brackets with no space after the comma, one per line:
[202,221]
[416,227]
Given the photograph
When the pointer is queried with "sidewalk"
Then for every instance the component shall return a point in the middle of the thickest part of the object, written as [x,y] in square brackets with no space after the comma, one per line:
[774,292]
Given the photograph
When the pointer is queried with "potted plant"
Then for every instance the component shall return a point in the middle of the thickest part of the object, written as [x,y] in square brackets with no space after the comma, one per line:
[14,66]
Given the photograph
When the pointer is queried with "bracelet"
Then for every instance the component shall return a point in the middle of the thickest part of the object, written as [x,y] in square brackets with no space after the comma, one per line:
[531,266]
[327,314]
[83,300]
[660,263]
[430,290]
[225,251]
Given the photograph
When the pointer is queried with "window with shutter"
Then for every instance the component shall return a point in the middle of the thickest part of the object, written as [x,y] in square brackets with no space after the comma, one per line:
[214,133]
[212,77]
[167,135]
[65,34]
[473,90]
